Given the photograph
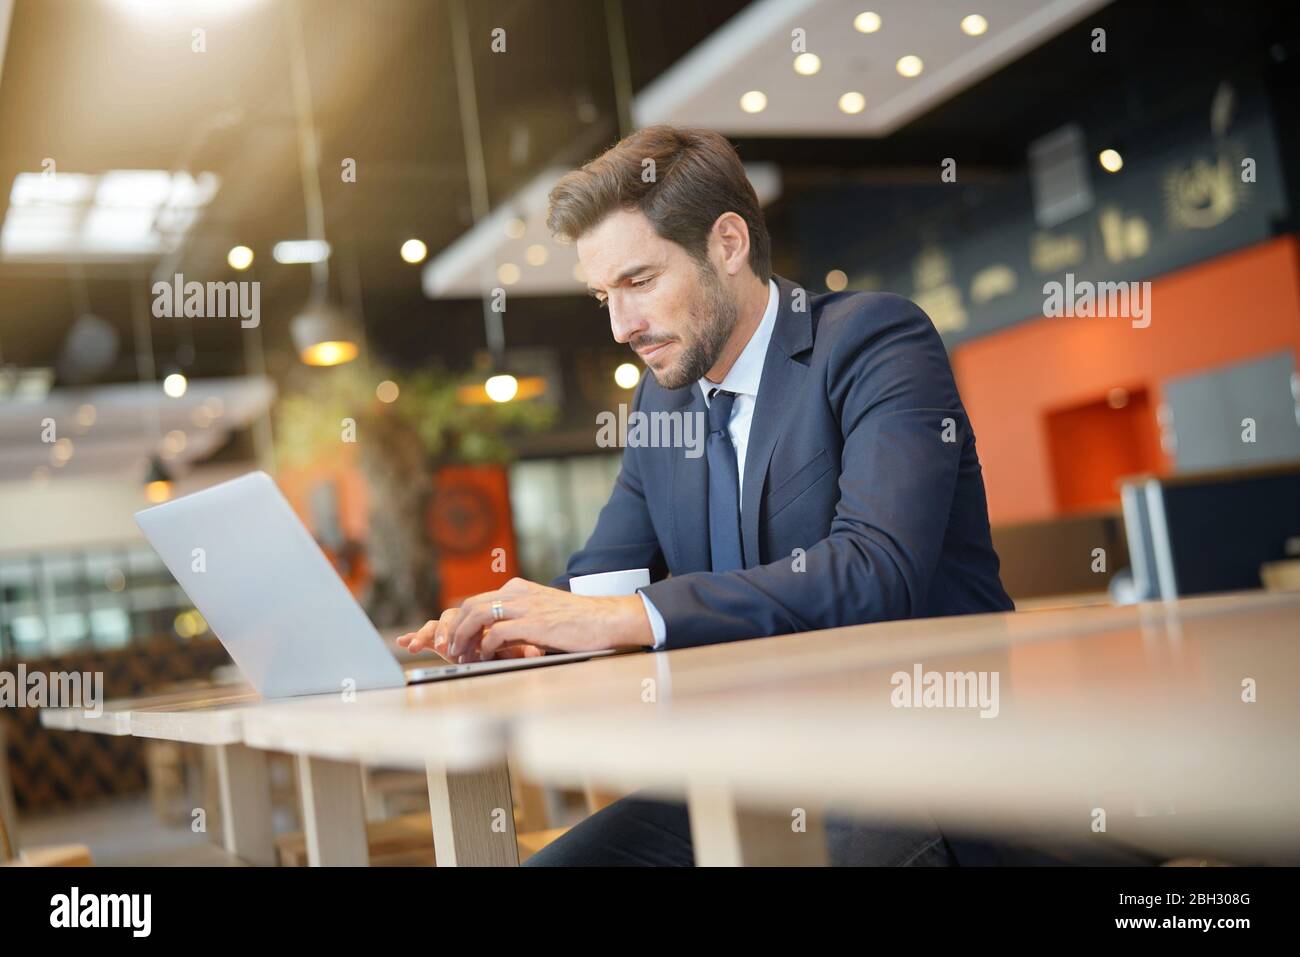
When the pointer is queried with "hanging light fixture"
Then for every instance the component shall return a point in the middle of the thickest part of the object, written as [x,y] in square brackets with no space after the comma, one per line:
[324,333]
[157,482]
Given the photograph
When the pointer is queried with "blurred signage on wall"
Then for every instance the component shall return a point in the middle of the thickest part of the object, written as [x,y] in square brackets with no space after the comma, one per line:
[1193,187]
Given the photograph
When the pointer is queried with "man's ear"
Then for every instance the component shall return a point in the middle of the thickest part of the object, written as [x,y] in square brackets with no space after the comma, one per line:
[731,234]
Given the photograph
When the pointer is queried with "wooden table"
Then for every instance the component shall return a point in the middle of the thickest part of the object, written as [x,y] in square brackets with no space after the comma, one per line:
[1145,725]
[620,721]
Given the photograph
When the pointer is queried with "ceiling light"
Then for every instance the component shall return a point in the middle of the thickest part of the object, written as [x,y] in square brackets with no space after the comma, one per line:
[909,66]
[501,388]
[508,273]
[157,482]
[1110,161]
[124,214]
[293,251]
[536,254]
[806,64]
[974,25]
[134,188]
[156,493]
[866,22]
[240,257]
[516,228]
[387,391]
[755,101]
[60,452]
[626,376]
[852,102]
[175,385]
[62,189]
[332,352]
[836,280]
[414,251]
[324,334]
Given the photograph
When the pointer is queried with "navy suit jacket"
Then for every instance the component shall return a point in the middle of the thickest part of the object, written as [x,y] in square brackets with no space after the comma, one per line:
[862,497]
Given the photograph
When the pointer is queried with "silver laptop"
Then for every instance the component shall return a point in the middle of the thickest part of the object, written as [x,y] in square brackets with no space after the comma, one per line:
[274,600]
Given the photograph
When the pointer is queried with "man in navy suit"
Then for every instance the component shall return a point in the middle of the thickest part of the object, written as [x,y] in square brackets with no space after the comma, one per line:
[838,481]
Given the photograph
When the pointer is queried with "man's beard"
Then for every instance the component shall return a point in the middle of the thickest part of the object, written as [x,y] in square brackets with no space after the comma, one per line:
[713,317]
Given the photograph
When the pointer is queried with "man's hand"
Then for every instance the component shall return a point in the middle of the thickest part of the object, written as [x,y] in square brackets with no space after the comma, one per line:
[535,619]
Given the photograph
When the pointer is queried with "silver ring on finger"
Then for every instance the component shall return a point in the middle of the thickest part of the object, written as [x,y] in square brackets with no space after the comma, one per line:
[498,611]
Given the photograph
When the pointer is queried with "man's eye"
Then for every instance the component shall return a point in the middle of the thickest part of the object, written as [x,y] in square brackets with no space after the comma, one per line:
[637,284]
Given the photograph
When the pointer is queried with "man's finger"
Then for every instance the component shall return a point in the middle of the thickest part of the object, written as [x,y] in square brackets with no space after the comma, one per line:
[442,631]
[505,635]
[417,641]
[473,619]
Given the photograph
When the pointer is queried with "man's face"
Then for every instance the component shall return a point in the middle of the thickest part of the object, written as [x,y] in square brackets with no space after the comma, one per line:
[673,310]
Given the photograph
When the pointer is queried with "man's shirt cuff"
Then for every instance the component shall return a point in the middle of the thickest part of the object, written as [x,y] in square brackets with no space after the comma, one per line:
[657,626]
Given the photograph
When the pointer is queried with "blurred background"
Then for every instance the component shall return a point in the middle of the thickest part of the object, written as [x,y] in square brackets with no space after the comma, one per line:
[419,367]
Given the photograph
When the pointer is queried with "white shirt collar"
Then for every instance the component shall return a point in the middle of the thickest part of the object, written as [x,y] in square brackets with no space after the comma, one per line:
[747,371]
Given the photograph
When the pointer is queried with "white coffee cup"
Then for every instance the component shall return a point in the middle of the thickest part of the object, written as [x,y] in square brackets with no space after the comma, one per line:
[611,583]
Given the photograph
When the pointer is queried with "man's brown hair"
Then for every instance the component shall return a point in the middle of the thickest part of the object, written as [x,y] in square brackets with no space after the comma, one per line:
[697,176]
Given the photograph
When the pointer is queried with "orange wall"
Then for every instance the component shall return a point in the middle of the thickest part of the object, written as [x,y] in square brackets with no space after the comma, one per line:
[350,487]
[1226,310]
[463,572]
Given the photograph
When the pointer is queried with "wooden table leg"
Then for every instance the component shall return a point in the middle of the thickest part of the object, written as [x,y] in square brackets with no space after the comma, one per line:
[725,834]
[473,817]
[245,795]
[333,813]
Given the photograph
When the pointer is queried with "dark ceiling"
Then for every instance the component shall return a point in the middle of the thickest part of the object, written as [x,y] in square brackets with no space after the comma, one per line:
[83,85]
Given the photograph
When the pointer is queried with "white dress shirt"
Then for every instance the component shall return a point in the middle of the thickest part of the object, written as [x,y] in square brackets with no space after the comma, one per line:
[743,379]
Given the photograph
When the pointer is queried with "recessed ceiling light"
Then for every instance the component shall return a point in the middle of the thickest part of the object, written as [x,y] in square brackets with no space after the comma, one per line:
[515,228]
[806,64]
[413,251]
[852,102]
[974,25]
[866,22]
[508,273]
[293,251]
[175,385]
[387,391]
[755,101]
[909,65]
[626,376]
[240,257]
[836,280]
[1110,161]
[536,254]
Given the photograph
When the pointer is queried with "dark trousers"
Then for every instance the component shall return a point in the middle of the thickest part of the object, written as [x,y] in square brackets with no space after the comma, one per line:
[639,832]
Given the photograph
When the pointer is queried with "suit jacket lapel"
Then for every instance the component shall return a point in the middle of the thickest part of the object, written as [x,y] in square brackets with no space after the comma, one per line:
[783,376]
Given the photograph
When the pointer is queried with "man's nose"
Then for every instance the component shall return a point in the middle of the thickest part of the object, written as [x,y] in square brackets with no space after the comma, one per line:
[624,321]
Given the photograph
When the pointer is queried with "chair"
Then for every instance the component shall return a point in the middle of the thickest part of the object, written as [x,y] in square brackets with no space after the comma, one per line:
[55,855]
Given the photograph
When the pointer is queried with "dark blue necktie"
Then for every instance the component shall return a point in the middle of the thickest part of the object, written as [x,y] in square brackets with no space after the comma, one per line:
[724,486]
